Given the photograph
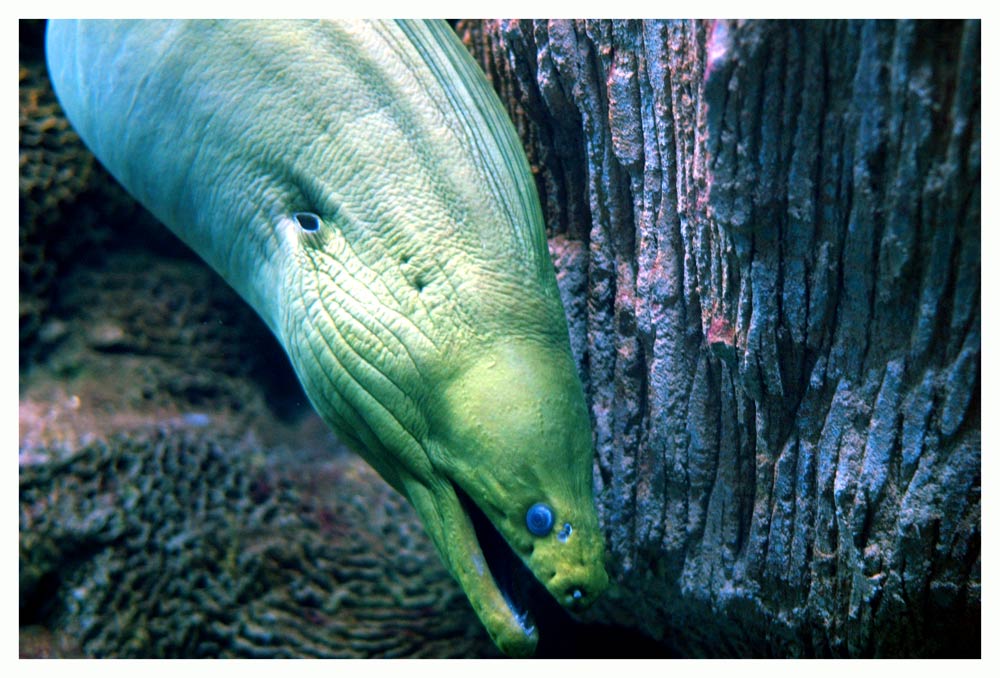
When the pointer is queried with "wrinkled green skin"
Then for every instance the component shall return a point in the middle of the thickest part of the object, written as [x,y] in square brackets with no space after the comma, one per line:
[423,317]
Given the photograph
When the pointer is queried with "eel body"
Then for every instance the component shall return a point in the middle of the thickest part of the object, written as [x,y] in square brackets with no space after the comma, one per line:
[360,185]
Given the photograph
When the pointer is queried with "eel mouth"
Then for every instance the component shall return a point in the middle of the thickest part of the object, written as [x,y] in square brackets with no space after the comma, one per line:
[519,587]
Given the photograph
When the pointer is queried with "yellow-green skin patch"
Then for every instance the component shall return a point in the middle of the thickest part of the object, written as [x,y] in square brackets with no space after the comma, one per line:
[422,316]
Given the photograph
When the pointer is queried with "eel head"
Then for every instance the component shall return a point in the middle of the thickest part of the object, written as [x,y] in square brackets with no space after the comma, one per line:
[511,504]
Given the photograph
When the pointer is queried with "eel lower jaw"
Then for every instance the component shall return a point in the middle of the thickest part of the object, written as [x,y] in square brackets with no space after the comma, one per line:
[511,576]
[450,526]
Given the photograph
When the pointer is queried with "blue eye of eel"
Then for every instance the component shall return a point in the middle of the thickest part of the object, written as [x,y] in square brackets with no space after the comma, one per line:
[540,520]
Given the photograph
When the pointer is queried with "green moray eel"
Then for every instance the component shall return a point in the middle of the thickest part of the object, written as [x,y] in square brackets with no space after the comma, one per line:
[360,185]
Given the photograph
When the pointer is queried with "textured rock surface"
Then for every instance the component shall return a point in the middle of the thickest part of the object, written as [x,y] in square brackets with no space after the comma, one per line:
[769,238]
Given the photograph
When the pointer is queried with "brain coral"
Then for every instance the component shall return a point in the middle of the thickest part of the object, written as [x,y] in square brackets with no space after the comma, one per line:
[182,544]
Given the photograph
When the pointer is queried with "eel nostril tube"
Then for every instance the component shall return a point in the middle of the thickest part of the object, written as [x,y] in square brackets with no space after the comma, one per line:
[574,596]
